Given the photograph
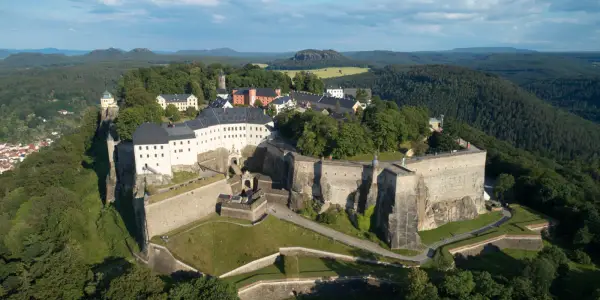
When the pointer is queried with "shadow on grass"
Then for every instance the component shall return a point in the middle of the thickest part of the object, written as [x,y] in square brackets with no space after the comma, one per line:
[492,260]
[352,290]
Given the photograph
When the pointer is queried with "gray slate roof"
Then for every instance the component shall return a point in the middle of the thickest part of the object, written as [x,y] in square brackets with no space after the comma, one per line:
[218,103]
[352,93]
[150,133]
[319,102]
[175,97]
[106,95]
[213,116]
[281,100]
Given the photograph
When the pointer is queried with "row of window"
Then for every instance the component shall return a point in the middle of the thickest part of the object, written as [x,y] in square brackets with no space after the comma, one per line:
[163,155]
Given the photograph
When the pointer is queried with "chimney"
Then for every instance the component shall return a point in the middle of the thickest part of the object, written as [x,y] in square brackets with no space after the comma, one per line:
[278,92]
[251,96]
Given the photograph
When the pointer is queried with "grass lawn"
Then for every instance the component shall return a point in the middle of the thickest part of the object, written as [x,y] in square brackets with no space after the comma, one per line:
[383,156]
[186,188]
[179,177]
[217,248]
[329,72]
[318,267]
[448,230]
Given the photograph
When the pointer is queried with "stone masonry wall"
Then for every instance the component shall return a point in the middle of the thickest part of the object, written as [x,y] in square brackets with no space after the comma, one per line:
[169,214]
[453,185]
[245,214]
[339,181]
[402,223]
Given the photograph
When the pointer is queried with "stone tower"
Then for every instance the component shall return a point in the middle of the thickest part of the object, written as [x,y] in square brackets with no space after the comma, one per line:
[222,85]
[107,100]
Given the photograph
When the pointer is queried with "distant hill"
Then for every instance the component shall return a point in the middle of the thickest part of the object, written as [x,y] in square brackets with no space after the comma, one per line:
[315,59]
[44,51]
[228,52]
[4,53]
[491,50]
[493,105]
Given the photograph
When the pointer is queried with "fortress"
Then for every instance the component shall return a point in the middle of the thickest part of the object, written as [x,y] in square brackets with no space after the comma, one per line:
[408,196]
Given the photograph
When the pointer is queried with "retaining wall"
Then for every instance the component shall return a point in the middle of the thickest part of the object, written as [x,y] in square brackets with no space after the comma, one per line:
[524,242]
[253,265]
[161,260]
[172,213]
[251,213]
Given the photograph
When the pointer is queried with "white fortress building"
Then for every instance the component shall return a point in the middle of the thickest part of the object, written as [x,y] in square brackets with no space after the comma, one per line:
[157,148]
[182,102]
[107,100]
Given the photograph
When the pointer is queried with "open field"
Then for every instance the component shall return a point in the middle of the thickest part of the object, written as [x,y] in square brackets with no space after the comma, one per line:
[329,72]
[261,65]
[448,230]
[216,248]
[317,267]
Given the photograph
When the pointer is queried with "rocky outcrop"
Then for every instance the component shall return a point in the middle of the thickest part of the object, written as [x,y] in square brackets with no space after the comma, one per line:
[313,55]
[441,213]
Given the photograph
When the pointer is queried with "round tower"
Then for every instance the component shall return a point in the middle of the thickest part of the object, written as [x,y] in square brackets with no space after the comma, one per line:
[107,100]
[222,85]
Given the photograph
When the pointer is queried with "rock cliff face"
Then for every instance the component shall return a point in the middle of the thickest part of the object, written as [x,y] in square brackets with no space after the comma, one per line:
[441,213]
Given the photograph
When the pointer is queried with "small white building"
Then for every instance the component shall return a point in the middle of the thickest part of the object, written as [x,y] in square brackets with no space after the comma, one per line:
[157,148]
[107,100]
[182,102]
[283,103]
[221,103]
[336,93]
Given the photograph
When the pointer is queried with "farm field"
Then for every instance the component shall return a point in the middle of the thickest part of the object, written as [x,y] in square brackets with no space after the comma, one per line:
[329,72]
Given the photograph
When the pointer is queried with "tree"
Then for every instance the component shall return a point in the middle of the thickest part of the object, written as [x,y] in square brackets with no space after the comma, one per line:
[128,121]
[419,287]
[258,103]
[136,283]
[361,95]
[300,81]
[459,285]
[504,185]
[172,113]
[271,110]
[203,288]
[384,131]
[351,140]
[541,272]
[486,286]
[138,97]
[191,112]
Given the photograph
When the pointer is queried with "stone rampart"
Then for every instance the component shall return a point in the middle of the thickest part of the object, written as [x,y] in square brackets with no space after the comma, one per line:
[161,260]
[253,212]
[253,265]
[524,242]
[169,214]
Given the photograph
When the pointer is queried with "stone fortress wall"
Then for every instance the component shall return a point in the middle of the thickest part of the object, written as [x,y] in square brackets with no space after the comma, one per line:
[425,193]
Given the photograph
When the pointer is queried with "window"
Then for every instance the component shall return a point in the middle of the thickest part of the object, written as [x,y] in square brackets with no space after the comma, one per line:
[141,156]
[174,143]
[140,147]
[147,155]
[162,155]
[180,150]
[161,147]
[189,150]
[146,147]
[188,142]
[157,164]
[154,147]
[155,155]
[180,143]
[175,151]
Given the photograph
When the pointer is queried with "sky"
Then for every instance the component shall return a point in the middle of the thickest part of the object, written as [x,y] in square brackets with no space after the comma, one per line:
[291,25]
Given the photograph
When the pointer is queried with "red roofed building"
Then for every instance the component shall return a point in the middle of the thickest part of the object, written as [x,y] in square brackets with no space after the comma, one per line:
[247,96]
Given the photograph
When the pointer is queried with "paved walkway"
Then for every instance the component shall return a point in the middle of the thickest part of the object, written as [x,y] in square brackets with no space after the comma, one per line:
[284,213]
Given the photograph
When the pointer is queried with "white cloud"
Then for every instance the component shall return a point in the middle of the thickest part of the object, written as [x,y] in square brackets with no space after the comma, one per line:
[216,18]
[110,2]
[72,30]
[437,16]
[187,2]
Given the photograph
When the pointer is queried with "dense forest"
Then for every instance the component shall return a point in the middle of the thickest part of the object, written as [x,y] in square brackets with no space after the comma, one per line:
[59,241]
[490,103]
[579,95]
[382,127]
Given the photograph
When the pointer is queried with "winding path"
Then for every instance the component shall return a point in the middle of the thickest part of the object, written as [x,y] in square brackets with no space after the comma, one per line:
[284,213]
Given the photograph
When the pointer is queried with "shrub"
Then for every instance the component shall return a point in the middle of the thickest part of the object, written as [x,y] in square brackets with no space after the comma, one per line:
[443,260]
[581,257]
[290,266]
[364,220]
[328,217]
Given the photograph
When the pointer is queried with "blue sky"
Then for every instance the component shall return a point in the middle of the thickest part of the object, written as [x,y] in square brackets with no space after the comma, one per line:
[290,25]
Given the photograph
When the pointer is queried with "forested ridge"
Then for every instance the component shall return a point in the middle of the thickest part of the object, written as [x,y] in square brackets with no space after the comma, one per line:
[59,241]
[492,104]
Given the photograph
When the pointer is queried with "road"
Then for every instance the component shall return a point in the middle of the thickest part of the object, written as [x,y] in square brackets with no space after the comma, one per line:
[284,213]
